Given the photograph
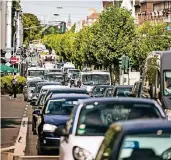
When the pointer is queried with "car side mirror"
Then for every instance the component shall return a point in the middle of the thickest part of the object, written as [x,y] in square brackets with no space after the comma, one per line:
[61,132]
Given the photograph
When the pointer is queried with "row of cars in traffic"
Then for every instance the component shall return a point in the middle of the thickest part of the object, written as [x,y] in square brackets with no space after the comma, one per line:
[106,123]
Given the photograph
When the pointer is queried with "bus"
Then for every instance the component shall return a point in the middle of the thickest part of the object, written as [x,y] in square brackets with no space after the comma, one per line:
[33,72]
[156,80]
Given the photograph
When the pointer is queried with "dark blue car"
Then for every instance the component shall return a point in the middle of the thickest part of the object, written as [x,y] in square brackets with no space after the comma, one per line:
[55,113]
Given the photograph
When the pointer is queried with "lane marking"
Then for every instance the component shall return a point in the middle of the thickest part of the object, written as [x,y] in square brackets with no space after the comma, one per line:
[24,115]
[25,108]
[7,148]
[20,144]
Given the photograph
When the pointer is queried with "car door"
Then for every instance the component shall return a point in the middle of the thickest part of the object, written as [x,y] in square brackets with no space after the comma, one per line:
[65,145]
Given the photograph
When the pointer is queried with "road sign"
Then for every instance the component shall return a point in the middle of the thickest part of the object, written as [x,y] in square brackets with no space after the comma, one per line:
[8,64]
[14,60]
[8,55]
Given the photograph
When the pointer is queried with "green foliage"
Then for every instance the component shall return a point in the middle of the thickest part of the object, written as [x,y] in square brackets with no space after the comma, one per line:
[112,36]
[150,37]
[6,83]
[30,20]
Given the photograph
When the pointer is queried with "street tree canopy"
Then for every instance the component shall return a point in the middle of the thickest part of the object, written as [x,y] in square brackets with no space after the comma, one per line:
[30,20]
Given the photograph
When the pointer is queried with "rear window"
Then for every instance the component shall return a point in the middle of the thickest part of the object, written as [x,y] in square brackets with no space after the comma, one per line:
[95,118]
[122,92]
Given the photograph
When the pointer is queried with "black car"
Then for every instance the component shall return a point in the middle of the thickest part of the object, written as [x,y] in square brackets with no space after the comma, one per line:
[122,90]
[36,105]
[99,90]
[55,113]
[55,91]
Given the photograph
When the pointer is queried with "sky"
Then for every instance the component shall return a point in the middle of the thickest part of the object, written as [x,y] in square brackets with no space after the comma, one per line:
[45,10]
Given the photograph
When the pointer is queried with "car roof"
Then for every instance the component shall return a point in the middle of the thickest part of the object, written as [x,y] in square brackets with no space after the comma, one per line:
[135,126]
[102,86]
[48,83]
[49,73]
[124,86]
[68,89]
[71,95]
[52,86]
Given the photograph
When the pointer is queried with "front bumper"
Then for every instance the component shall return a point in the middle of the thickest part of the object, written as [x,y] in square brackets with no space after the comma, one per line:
[49,142]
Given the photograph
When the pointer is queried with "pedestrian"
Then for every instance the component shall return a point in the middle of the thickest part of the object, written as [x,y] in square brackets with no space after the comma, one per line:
[14,88]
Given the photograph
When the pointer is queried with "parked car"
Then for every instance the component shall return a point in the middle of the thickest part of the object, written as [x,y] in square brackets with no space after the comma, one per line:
[29,88]
[55,91]
[122,91]
[55,113]
[99,90]
[36,106]
[91,118]
[137,140]
[39,86]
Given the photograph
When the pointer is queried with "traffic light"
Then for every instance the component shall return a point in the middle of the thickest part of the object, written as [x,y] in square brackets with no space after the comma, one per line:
[126,63]
[62,27]
[121,62]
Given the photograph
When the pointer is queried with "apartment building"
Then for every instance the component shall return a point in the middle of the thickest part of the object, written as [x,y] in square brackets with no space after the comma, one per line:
[155,11]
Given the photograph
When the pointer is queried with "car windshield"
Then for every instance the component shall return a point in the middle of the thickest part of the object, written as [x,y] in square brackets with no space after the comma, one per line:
[56,70]
[123,92]
[96,79]
[54,77]
[100,90]
[146,147]
[39,86]
[32,84]
[60,107]
[36,73]
[167,83]
[95,118]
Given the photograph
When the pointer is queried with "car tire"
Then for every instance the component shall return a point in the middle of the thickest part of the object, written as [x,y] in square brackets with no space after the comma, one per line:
[39,150]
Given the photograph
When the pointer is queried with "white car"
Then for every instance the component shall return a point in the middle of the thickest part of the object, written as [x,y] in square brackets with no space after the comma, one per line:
[91,118]
[47,87]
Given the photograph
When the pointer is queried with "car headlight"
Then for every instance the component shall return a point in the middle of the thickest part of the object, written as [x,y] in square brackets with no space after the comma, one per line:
[49,128]
[81,154]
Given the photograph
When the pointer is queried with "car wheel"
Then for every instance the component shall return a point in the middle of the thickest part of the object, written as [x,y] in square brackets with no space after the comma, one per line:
[39,150]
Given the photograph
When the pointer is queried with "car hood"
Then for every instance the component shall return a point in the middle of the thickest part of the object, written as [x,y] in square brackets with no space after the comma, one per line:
[89,143]
[55,119]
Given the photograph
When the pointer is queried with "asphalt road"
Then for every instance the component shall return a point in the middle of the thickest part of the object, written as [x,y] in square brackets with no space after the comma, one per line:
[12,112]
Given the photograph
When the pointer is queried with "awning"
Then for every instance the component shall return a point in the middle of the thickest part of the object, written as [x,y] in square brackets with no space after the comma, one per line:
[4,68]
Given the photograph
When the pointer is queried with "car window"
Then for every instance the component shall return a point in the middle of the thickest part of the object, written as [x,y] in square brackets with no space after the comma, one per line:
[94,119]
[60,107]
[123,92]
[146,146]
[99,90]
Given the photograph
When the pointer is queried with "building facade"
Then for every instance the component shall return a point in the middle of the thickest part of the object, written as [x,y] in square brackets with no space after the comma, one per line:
[155,11]
[3,25]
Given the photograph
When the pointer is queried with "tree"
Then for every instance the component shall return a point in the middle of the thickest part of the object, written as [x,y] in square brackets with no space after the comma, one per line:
[150,37]
[115,35]
[30,20]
